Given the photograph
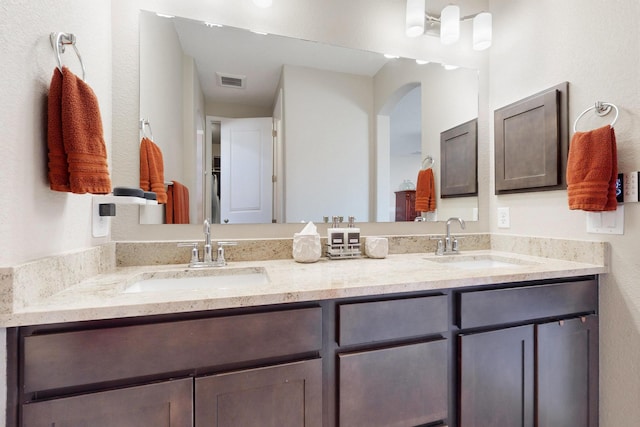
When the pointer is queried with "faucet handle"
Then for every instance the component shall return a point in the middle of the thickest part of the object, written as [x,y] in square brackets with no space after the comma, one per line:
[220,259]
[194,251]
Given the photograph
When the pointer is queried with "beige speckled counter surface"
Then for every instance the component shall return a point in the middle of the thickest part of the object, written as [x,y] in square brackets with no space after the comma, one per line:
[101,295]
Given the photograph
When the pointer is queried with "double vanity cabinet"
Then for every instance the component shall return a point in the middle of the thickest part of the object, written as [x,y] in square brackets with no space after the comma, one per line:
[518,354]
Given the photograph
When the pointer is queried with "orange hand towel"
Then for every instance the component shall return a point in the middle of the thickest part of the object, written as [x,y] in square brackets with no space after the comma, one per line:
[177,209]
[58,166]
[83,137]
[152,169]
[592,170]
[425,191]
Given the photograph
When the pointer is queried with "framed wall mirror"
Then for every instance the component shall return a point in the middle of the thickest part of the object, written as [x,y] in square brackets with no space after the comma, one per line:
[268,129]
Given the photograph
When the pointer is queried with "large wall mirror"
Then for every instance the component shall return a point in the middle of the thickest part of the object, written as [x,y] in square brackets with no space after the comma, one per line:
[263,128]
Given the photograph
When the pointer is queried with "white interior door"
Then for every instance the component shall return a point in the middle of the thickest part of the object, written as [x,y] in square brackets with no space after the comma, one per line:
[246,170]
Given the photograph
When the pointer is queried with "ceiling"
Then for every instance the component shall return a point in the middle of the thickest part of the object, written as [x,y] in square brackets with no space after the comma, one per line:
[260,58]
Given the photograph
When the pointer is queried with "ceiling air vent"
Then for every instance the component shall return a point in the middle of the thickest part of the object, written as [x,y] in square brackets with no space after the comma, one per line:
[230,80]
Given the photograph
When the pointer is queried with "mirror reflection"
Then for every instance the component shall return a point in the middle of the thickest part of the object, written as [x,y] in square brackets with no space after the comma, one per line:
[261,128]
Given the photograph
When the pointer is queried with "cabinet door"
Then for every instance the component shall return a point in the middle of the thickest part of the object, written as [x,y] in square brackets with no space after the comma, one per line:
[399,386]
[496,378]
[166,404]
[567,354]
[276,396]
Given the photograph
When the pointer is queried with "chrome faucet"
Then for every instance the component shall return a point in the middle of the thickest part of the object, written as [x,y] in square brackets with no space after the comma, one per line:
[207,258]
[450,244]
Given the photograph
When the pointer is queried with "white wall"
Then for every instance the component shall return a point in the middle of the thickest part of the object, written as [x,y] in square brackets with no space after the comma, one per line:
[35,221]
[161,91]
[595,46]
[448,99]
[327,126]
[193,124]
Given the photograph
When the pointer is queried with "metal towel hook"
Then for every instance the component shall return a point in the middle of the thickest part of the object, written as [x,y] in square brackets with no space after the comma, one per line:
[601,109]
[427,162]
[145,123]
[59,42]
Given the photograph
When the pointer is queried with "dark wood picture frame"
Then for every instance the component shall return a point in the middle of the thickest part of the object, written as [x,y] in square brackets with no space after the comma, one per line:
[532,142]
[459,160]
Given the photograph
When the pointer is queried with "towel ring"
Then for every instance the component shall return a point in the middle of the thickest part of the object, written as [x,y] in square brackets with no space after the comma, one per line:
[602,109]
[427,162]
[145,123]
[58,42]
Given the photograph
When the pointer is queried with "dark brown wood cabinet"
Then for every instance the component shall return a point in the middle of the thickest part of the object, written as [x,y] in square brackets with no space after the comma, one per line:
[496,378]
[398,386]
[406,205]
[542,374]
[164,404]
[288,395]
[247,369]
[517,355]
[393,362]
[567,373]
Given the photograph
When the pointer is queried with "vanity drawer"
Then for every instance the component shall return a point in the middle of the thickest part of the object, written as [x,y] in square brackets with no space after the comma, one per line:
[512,305]
[394,386]
[391,319]
[77,358]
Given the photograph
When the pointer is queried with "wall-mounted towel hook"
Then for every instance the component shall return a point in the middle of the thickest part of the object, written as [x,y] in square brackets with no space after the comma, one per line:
[601,109]
[143,124]
[59,41]
[427,162]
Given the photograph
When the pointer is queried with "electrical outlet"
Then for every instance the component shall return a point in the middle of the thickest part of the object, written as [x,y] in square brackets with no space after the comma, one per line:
[610,222]
[100,224]
[504,221]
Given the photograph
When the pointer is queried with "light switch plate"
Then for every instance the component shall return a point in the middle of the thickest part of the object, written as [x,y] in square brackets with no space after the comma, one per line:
[611,222]
[630,187]
[504,219]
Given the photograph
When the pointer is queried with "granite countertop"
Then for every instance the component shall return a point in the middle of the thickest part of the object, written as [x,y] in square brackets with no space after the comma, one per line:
[101,296]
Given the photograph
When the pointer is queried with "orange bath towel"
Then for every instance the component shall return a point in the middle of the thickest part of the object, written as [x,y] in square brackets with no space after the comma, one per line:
[177,209]
[152,169]
[58,166]
[592,170]
[77,151]
[425,191]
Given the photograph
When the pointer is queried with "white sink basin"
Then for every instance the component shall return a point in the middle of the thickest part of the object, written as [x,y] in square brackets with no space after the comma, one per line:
[477,262]
[202,281]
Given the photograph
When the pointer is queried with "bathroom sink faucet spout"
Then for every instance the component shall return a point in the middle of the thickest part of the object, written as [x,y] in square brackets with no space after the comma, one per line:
[451,243]
[207,242]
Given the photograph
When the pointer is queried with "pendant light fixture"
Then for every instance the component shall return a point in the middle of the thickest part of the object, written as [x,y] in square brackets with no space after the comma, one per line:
[415,18]
[450,24]
[482,36]
[447,25]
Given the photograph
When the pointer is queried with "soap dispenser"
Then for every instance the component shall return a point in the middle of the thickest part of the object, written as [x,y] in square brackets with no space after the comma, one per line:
[335,237]
[353,236]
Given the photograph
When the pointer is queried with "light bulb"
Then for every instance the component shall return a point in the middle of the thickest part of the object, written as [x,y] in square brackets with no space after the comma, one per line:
[415,18]
[450,24]
[482,33]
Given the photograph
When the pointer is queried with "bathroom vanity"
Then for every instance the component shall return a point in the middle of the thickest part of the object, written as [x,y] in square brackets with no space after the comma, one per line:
[456,348]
